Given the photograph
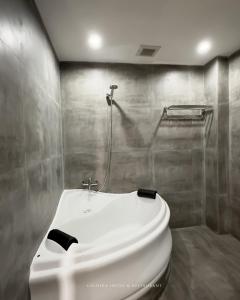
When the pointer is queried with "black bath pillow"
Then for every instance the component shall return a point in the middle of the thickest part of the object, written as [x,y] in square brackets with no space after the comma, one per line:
[63,239]
[146,193]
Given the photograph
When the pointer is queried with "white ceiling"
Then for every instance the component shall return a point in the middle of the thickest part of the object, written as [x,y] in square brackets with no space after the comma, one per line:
[177,25]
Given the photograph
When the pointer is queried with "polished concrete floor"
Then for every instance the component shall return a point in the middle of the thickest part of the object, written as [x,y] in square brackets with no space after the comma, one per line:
[205,266]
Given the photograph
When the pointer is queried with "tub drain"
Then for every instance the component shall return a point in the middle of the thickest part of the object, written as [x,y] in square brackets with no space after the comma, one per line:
[85,211]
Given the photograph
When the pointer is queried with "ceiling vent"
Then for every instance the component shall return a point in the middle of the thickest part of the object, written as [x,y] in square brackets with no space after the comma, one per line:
[148,51]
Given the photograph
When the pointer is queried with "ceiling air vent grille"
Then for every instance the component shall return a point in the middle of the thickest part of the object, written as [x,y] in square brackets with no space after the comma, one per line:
[148,51]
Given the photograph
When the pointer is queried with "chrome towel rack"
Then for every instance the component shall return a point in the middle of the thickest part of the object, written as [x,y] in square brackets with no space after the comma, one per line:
[186,112]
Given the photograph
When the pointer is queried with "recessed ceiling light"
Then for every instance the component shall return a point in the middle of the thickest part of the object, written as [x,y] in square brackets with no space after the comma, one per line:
[204,47]
[95,41]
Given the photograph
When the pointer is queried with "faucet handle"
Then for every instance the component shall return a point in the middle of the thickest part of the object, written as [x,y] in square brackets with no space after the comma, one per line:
[89,183]
[84,183]
[95,183]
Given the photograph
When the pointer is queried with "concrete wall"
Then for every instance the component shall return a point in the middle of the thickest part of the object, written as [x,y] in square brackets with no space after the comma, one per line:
[31,177]
[217,147]
[166,156]
[211,149]
[234,115]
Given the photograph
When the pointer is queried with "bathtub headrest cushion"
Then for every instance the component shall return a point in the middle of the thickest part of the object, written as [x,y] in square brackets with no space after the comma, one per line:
[63,239]
[146,193]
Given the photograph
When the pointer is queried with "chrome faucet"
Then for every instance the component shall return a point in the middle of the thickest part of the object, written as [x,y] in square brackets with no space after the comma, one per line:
[89,183]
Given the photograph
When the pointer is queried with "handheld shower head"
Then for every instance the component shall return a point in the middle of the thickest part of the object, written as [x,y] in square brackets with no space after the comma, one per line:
[109,97]
[113,87]
[109,102]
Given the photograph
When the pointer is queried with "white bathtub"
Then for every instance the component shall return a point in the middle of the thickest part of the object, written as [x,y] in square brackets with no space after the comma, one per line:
[124,246]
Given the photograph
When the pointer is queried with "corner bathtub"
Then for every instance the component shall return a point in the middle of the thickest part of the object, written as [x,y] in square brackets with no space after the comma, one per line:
[124,246]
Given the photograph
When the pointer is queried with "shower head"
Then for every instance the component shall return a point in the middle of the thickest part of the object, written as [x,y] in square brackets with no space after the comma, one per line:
[109,97]
[113,87]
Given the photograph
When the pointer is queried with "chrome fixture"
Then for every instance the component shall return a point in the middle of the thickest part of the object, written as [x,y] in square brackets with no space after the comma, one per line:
[89,184]
[186,112]
[198,114]
[109,97]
